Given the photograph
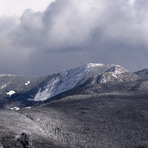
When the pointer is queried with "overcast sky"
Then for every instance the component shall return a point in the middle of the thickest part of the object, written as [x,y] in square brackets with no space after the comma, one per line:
[43,37]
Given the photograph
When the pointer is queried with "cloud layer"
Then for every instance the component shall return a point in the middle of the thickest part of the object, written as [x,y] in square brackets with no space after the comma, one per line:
[73,32]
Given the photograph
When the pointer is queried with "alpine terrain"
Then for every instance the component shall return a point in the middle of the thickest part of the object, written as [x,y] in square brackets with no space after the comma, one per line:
[91,106]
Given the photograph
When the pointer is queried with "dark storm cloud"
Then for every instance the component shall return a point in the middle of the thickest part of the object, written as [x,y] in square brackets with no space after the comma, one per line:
[71,32]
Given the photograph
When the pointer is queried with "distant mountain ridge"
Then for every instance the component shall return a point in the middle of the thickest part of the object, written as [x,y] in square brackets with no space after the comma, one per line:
[142,73]
[69,79]
[27,90]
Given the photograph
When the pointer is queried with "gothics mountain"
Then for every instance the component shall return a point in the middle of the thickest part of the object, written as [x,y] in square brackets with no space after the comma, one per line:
[92,106]
[21,91]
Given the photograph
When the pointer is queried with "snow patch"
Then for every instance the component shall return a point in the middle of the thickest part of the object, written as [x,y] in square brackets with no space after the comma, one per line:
[44,95]
[15,108]
[28,107]
[3,86]
[28,82]
[10,93]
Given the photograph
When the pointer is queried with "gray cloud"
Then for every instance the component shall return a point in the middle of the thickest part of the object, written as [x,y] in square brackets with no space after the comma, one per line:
[71,32]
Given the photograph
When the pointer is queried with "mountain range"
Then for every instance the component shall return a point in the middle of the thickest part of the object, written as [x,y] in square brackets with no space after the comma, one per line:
[91,106]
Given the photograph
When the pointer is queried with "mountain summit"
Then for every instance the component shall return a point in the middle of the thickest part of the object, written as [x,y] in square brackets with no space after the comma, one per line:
[68,79]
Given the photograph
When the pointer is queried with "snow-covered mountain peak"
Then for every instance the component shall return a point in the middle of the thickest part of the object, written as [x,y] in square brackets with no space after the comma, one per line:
[92,65]
[117,69]
[68,79]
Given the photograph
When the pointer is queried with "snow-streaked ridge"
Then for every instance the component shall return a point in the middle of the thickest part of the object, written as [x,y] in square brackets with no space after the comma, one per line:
[68,79]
